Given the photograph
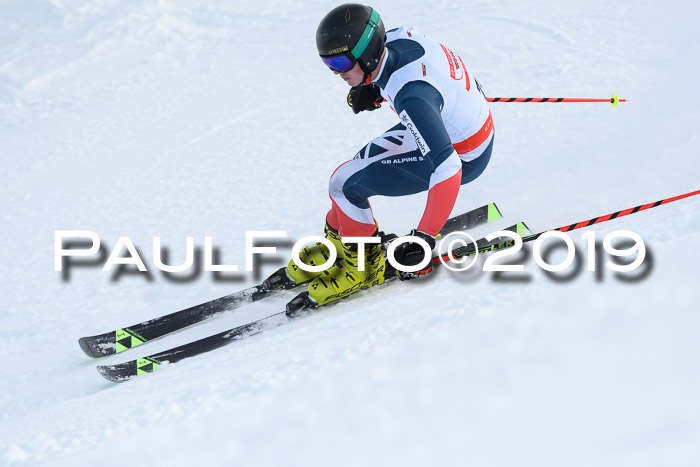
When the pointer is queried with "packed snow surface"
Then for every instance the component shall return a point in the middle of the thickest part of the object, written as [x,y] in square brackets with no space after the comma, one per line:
[205,118]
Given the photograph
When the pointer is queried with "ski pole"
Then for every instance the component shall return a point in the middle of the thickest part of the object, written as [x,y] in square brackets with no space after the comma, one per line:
[614,100]
[469,250]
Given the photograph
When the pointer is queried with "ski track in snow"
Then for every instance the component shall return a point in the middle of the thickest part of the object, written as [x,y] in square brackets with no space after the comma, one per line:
[198,118]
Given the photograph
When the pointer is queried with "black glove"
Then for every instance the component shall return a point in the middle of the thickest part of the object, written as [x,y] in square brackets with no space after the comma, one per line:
[410,254]
[365,97]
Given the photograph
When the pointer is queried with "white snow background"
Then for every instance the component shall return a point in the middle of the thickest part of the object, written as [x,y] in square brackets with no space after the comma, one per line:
[205,118]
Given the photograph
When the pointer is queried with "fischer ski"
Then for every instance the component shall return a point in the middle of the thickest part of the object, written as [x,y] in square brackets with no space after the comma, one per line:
[294,309]
[126,338]
[128,370]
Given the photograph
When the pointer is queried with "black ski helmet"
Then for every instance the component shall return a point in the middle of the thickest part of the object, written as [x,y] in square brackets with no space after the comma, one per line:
[354,30]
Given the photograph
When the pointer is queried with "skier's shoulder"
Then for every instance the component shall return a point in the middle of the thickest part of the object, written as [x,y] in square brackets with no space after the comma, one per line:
[402,32]
[406,45]
[403,38]
[402,50]
[405,62]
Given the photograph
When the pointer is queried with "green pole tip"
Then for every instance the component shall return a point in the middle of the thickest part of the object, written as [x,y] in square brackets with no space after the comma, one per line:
[614,100]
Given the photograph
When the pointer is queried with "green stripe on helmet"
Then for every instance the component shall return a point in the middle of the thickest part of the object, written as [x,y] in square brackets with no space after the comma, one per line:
[367,34]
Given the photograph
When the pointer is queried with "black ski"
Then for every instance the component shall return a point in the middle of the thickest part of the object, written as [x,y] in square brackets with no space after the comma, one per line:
[127,338]
[295,308]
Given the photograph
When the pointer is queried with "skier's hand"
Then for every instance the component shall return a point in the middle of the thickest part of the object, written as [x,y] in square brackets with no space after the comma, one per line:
[412,253]
[364,97]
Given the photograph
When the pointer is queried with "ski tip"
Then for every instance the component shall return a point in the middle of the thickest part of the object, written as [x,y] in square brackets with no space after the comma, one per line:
[494,213]
[128,370]
[83,343]
[109,372]
[94,350]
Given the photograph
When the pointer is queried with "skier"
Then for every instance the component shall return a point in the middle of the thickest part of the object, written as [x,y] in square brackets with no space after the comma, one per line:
[444,140]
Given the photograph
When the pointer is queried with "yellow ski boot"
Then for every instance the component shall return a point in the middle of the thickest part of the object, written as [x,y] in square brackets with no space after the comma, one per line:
[345,278]
[315,255]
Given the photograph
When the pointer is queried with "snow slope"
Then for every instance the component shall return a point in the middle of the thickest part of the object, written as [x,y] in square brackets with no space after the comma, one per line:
[203,118]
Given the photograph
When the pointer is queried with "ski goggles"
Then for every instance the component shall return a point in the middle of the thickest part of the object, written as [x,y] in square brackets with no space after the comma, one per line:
[341,63]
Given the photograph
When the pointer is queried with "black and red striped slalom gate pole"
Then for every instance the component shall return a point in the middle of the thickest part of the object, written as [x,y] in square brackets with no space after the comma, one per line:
[469,250]
[614,100]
